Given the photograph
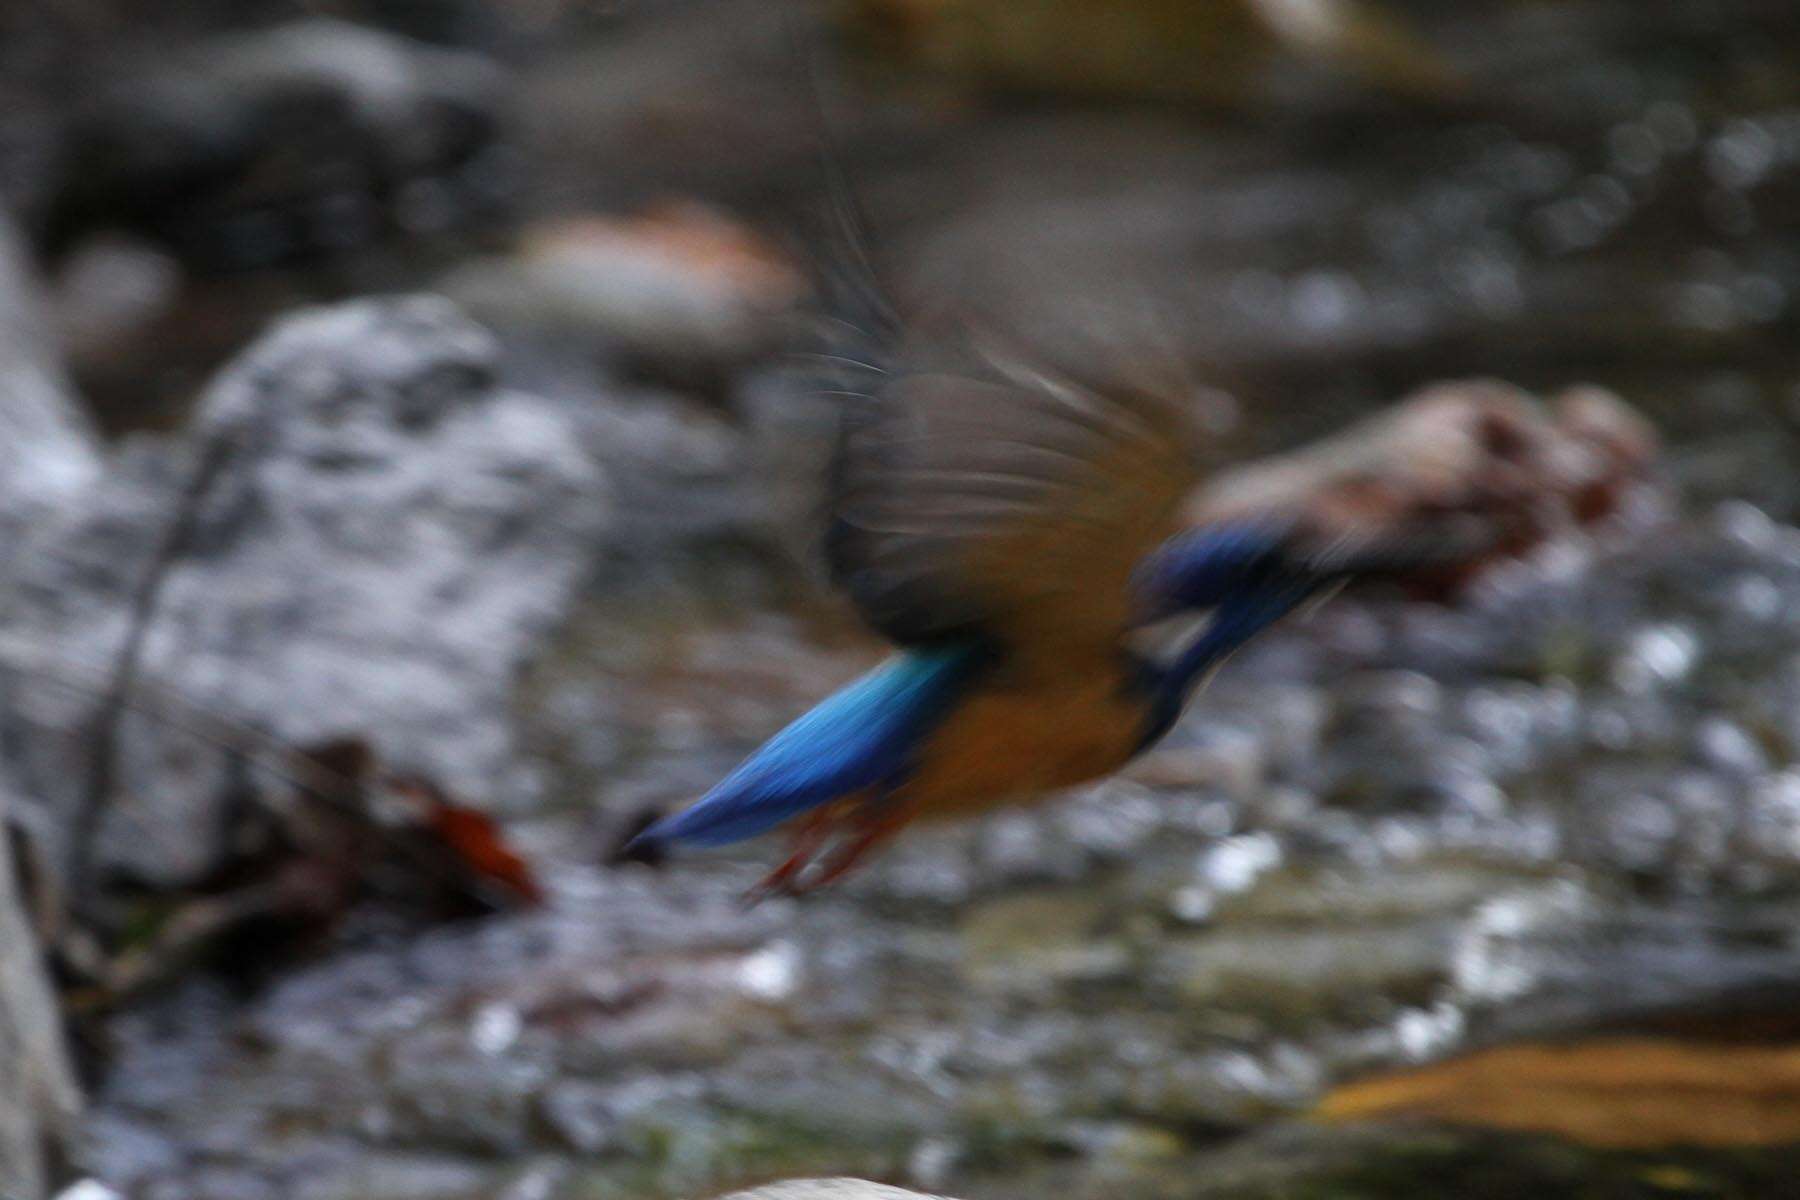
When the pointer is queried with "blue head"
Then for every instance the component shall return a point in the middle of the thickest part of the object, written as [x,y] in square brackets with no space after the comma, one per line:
[1203,568]
[1244,573]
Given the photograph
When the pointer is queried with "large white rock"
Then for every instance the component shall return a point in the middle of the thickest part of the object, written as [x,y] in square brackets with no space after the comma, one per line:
[830,1189]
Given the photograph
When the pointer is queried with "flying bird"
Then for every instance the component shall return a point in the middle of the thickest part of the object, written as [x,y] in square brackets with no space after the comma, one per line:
[1009,530]
[1009,527]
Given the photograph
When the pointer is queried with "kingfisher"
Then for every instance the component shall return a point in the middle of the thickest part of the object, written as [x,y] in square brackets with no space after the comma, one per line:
[1011,530]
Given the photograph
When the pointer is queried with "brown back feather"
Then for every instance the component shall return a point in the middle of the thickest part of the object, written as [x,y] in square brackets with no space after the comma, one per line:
[973,504]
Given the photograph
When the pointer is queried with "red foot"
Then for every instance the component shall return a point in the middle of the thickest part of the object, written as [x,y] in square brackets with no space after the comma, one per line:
[858,827]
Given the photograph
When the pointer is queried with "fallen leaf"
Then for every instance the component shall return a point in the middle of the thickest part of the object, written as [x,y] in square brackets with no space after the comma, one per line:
[1616,1093]
[477,839]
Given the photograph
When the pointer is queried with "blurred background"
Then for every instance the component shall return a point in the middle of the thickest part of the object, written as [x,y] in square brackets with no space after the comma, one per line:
[407,493]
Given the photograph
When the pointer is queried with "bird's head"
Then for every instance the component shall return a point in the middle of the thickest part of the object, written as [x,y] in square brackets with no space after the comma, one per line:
[1200,568]
[1204,567]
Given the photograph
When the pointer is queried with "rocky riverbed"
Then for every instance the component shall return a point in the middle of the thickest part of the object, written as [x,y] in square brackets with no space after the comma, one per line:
[1384,836]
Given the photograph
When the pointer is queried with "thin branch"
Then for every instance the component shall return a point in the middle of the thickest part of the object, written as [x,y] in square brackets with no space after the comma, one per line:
[101,778]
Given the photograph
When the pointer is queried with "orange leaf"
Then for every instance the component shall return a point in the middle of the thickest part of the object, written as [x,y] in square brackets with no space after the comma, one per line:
[1620,1093]
[477,839]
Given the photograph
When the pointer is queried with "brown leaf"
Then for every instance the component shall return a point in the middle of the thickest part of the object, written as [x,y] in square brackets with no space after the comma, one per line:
[483,847]
[1623,1093]
[474,838]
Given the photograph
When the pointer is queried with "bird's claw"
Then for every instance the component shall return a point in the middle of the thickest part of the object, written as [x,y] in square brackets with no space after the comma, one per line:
[766,888]
[814,866]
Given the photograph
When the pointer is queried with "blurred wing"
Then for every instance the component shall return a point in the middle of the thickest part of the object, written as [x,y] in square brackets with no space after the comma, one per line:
[1012,510]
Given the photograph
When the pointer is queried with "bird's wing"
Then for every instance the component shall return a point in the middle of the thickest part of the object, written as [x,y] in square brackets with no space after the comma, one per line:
[1008,508]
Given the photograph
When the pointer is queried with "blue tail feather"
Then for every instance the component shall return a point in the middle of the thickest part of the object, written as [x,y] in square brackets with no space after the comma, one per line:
[862,736]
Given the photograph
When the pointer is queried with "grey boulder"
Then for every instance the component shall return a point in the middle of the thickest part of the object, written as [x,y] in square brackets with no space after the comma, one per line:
[389,539]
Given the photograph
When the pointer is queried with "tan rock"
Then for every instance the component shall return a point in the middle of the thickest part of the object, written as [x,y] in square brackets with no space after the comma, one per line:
[680,287]
[1491,456]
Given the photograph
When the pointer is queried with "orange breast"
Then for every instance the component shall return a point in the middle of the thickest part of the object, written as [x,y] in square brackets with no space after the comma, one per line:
[1004,745]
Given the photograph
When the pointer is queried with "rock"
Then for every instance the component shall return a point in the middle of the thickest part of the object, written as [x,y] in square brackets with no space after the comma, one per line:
[47,451]
[1518,471]
[680,290]
[247,149]
[389,539]
[40,1097]
[829,1189]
